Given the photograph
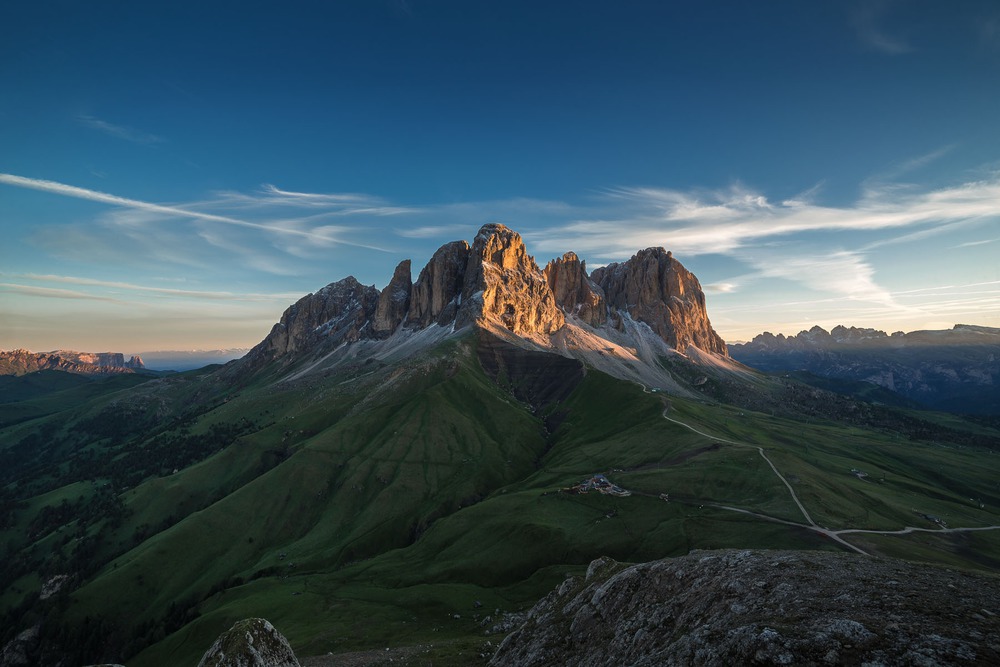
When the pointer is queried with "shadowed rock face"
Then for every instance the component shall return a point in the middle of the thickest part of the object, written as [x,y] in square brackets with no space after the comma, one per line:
[252,642]
[393,302]
[341,311]
[762,608]
[575,292]
[435,295]
[654,288]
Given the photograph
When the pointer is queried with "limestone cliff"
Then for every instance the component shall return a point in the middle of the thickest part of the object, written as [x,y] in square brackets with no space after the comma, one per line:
[496,285]
[340,312]
[394,301]
[574,291]
[504,286]
[21,362]
[435,295]
[654,288]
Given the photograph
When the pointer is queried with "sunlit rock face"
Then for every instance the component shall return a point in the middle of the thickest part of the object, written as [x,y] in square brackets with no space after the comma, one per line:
[574,291]
[505,287]
[496,285]
[436,295]
[654,288]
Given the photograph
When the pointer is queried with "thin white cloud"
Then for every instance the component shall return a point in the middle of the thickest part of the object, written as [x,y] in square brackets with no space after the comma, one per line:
[975,243]
[119,131]
[167,291]
[173,212]
[868,19]
[720,288]
[696,223]
[55,293]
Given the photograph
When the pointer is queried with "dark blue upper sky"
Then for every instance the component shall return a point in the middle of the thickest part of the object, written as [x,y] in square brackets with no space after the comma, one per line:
[654,119]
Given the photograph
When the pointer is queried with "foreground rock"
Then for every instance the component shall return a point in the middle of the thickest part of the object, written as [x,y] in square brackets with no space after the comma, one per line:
[252,642]
[763,608]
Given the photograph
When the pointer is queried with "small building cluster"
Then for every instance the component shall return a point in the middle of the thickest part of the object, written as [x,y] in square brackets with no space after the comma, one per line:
[601,484]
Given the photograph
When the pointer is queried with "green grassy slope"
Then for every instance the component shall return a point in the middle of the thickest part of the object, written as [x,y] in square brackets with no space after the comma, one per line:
[369,507]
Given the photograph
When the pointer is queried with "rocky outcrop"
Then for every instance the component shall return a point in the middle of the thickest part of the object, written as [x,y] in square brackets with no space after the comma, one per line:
[340,312]
[393,302]
[762,608]
[574,291]
[21,362]
[505,287]
[436,295]
[654,288]
[252,642]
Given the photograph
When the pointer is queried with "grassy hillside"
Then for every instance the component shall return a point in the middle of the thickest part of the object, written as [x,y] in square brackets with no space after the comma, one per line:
[401,504]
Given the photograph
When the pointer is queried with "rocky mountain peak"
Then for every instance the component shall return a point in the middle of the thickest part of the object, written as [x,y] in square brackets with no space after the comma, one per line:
[654,288]
[436,294]
[21,362]
[394,301]
[505,287]
[574,291]
[496,285]
[339,312]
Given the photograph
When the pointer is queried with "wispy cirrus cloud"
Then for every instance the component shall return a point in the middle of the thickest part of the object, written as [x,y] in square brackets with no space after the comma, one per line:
[723,221]
[55,293]
[119,131]
[176,212]
[164,291]
[868,20]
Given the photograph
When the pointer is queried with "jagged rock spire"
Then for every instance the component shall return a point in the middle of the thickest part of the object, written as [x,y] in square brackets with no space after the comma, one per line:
[496,284]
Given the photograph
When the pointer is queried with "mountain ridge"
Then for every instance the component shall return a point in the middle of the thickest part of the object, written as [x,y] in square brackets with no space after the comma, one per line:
[633,313]
[955,369]
[22,361]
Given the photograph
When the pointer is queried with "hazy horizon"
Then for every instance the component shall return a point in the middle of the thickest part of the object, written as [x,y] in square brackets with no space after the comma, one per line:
[174,177]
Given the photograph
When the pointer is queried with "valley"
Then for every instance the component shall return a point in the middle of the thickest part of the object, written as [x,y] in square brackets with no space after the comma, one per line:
[404,485]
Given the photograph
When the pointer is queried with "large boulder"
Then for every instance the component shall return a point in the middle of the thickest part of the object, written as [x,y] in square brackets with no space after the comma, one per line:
[252,642]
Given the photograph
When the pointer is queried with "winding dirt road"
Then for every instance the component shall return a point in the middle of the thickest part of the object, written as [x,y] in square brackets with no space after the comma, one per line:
[835,535]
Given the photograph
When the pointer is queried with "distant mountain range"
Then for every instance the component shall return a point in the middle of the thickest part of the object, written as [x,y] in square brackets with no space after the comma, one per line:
[20,362]
[185,360]
[956,370]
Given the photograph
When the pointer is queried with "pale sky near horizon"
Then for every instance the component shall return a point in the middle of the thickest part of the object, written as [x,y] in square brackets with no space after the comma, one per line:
[174,175]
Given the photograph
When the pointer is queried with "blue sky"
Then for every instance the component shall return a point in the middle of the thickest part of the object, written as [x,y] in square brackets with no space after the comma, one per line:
[173,175]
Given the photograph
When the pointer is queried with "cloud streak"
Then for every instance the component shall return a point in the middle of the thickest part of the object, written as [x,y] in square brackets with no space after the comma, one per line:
[867,21]
[119,131]
[174,212]
[165,291]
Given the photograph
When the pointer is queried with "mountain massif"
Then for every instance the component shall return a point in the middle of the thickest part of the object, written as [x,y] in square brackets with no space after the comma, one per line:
[21,362]
[416,467]
[496,286]
[956,370]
